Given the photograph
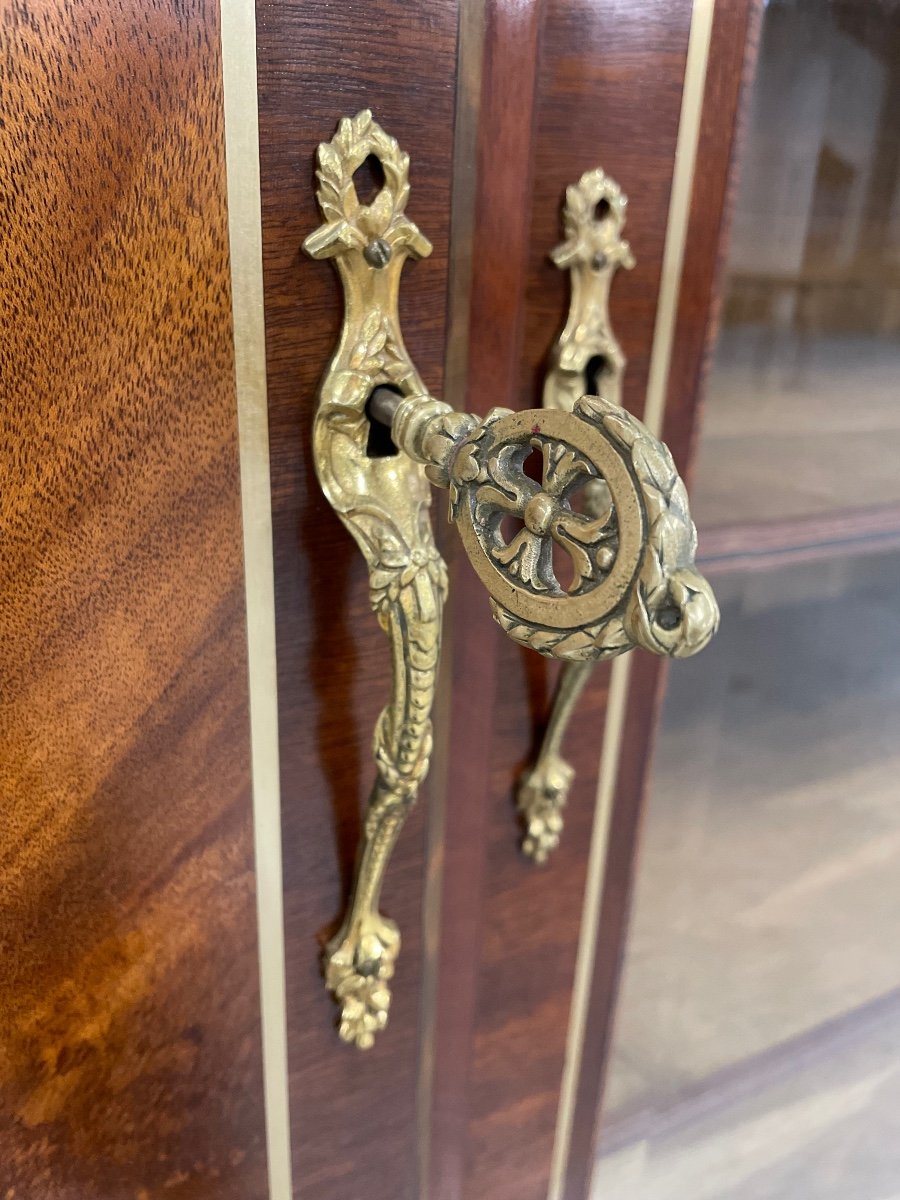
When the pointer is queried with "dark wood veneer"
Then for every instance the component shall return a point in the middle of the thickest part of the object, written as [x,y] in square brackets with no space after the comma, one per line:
[494,334]
[354,1114]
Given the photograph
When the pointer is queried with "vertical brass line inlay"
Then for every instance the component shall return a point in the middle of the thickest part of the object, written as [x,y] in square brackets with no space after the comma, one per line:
[245,236]
[660,357]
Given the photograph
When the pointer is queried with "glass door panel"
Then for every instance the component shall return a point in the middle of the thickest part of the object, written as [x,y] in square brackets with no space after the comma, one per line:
[757,1037]
[803,406]
[756,1048]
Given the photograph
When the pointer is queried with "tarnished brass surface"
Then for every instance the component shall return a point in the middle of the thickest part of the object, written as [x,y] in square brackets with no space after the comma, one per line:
[609,501]
[587,358]
[384,504]
[630,579]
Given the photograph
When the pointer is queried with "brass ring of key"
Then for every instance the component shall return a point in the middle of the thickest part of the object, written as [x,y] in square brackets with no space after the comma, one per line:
[560,611]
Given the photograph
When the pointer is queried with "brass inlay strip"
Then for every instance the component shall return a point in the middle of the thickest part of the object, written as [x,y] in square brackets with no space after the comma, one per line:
[469,64]
[590,920]
[679,212]
[245,236]
[660,357]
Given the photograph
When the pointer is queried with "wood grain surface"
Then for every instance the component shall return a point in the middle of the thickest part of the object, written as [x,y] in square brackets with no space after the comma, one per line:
[729,71]
[502,119]
[607,91]
[355,1118]
[130,1060]
[762,545]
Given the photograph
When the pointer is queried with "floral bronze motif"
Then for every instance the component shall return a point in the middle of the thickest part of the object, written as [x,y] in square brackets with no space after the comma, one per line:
[633,583]
[609,504]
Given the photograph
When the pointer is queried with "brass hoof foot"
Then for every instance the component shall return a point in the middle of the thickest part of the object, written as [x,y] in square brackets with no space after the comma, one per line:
[543,793]
[357,968]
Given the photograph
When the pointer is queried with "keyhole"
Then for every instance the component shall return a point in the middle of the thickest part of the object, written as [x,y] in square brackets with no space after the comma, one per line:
[368,179]
[601,209]
[379,443]
[595,371]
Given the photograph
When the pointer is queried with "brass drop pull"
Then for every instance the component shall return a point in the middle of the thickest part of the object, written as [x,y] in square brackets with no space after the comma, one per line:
[577,580]
[588,358]
[585,358]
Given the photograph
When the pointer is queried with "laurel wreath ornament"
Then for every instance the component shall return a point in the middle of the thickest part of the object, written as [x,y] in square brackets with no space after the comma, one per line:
[350,224]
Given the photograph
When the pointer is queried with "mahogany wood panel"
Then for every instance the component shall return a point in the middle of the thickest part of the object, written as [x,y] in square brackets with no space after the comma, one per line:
[130,1063]
[731,60]
[355,1124]
[608,90]
[499,258]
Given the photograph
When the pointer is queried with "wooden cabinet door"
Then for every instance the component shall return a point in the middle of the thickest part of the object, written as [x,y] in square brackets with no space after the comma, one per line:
[191,669]
[486,1080]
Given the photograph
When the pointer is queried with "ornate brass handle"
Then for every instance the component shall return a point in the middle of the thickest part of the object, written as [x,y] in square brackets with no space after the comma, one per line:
[629,578]
[585,359]
[588,358]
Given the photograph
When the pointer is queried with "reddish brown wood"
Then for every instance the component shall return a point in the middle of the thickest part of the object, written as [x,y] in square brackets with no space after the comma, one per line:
[497,285]
[129,1009]
[763,545]
[509,928]
[354,1114]
[731,61]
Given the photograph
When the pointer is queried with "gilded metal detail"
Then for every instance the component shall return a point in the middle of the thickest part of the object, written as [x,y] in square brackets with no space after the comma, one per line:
[628,577]
[587,359]
[384,503]
[672,610]
[593,559]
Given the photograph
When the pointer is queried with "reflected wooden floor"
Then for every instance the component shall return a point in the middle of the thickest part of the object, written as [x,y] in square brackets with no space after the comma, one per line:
[766,905]
[797,427]
[825,1131]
